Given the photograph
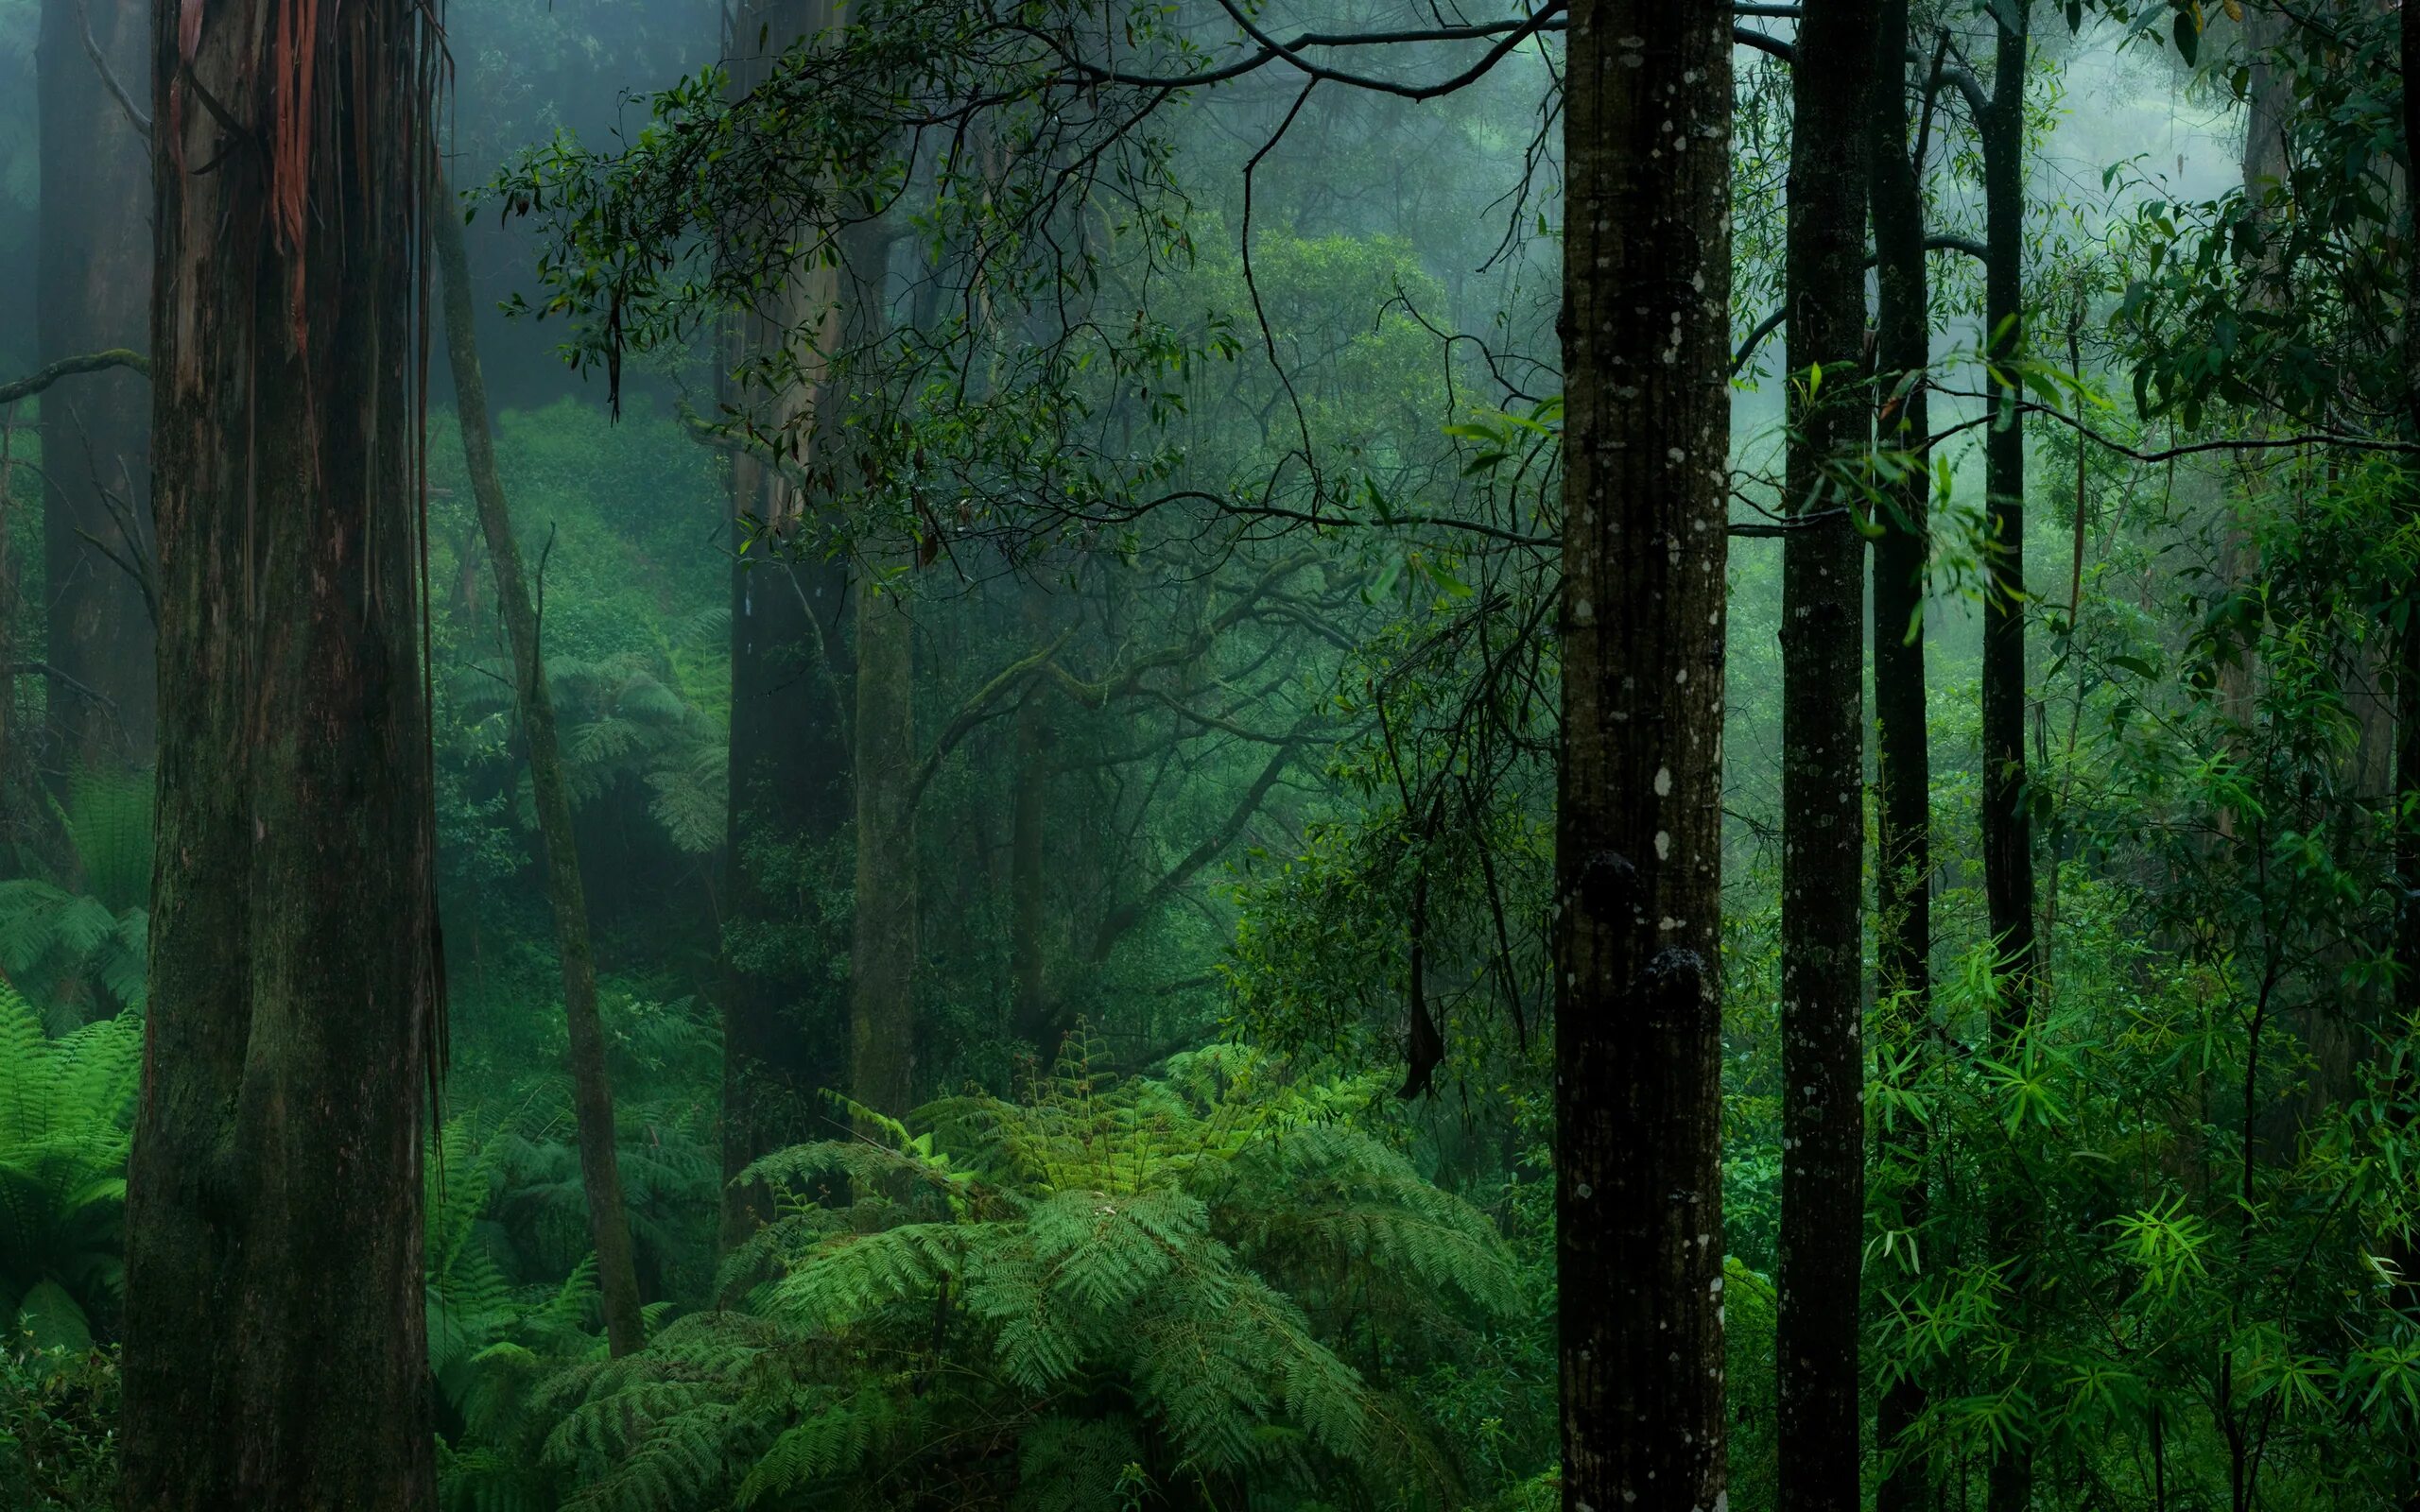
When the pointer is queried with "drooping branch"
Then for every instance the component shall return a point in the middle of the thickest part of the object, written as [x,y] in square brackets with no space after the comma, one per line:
[34,383]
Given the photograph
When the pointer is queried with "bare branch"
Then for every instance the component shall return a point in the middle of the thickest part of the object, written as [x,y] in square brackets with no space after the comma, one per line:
[34,383]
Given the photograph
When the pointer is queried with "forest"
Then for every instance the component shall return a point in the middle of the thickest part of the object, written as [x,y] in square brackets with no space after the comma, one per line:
[1209,756]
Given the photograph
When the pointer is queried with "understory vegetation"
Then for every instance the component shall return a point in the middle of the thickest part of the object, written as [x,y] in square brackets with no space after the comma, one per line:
[1012,872]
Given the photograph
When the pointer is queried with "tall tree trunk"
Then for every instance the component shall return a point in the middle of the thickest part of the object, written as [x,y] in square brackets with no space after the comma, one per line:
[592,1091]
[1903,813]
[883,963]
[1038,1021]
[94,276]
[2008,829]
[784,1012]
[275,1349]
[1822,645]
[1638,1191]
[2407,745]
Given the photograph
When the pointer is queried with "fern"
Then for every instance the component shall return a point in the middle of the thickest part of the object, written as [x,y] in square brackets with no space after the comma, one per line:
[67,1107]
[1104,1292]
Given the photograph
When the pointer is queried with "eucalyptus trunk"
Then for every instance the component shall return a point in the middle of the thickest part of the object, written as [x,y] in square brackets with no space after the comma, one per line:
[94,281]
[1903,810]
[275,1352]
[1822,885]
[600,1173]
[784,1012]
[1639,1250]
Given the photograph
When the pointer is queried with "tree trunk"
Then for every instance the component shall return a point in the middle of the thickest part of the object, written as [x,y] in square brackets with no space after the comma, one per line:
[1638,844]
[883,962]
[592,1091]
[93,275]
[1903,813]
[1822,646]
[784,1012]
[2407,751]
[1037,1019]
[276,1356]
[2008,829]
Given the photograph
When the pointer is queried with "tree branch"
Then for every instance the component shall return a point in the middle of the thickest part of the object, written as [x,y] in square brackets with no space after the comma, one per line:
[134,117]
[971,714]
[35,383]
[1125,916]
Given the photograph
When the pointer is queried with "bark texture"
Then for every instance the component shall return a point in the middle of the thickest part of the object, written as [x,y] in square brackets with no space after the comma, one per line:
[1646,360]
[2008,826]
[93,274]
[1903,812]
[1822,645]
[275,1351]
[600,1173]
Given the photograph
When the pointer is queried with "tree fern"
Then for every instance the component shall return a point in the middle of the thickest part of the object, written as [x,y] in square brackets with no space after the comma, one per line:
[1106,1291]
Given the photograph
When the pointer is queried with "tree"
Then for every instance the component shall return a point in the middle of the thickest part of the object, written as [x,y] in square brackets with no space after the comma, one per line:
[2008,826]
[93,296]
[785,1010]
[882,979]
[275,1348]
[1903,809]
[1646,103]
[1823,639]
[592,1092]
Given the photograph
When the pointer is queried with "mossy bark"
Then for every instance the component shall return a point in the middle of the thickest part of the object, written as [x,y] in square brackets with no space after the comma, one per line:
[600,1173]
[275,1352]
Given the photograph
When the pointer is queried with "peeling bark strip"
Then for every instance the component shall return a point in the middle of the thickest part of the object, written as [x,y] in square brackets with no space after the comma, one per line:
[1823,886]
[1639,1245]
[609,1225]
[275,1352]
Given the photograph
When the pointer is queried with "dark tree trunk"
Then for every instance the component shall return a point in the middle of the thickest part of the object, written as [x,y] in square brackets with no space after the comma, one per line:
[275,1349]
[2008,827]
[1638,839]
[93,275]
[883,962]
[592,1091]
[1903,813]
[1822,647]
[785,1010]
[2407,741]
